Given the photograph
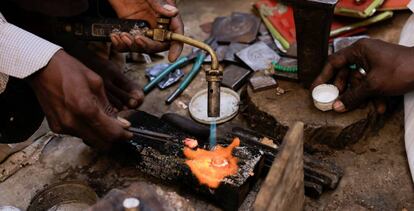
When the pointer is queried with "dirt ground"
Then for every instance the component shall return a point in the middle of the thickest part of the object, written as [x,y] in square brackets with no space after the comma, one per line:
[376,170]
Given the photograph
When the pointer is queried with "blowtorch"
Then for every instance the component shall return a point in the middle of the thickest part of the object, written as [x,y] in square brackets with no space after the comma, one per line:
[99,29]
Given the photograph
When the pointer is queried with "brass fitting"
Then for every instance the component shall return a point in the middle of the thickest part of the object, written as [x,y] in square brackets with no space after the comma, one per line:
[213,75]
[161,33]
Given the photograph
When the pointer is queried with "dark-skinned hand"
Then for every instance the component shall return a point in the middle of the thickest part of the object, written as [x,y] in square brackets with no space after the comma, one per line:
[74,101]
[389,72]
[147,10]
[122,92]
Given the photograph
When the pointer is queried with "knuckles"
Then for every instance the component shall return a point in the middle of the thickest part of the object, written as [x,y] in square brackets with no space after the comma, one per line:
[96,82]
[86,107]
[374,86]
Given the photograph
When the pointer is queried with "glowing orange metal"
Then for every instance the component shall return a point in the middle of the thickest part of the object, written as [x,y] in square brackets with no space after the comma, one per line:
[211,167]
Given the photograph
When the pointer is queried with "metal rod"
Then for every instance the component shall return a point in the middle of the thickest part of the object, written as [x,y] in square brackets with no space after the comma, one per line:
[198,44]
[149,133]
[214,74]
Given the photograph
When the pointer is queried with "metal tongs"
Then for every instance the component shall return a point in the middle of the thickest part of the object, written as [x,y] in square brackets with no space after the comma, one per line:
[152,135]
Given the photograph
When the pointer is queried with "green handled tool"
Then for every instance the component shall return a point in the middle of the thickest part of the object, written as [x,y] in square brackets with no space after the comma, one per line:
[181,61]
[187,80]
[199,57]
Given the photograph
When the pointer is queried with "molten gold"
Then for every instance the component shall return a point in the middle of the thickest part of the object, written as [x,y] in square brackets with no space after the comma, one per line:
[211,167]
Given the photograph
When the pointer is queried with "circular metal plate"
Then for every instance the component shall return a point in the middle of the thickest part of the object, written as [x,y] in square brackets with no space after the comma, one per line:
[64,196]
[229,106]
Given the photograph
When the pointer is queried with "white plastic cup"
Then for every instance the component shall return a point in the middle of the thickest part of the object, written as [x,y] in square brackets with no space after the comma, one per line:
[324,96]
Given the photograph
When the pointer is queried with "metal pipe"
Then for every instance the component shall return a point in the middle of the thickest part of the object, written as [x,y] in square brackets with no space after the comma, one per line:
[214,74]
[170,36]
[198,44]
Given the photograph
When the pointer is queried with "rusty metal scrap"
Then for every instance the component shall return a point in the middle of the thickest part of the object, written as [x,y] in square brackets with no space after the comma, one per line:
[258,56]
[239,27]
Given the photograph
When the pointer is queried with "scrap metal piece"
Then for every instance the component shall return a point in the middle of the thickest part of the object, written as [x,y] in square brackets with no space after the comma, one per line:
[239,27]
[234,76]
[172,77]
[232,50]
[258,56]
[313,20]
[260,82]
[268,39]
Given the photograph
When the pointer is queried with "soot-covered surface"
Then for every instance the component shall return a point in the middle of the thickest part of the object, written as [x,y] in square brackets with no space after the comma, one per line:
[166,161]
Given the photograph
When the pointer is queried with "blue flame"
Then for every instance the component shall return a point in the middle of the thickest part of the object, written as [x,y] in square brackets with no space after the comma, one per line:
[213,135]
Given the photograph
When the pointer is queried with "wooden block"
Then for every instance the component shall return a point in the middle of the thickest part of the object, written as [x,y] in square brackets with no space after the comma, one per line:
[283,188]
[273,115]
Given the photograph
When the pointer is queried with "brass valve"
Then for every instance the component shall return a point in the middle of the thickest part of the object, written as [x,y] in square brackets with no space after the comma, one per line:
[161,33]
[213,75]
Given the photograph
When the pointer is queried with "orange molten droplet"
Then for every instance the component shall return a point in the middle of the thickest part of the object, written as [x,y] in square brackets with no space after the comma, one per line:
[211,167]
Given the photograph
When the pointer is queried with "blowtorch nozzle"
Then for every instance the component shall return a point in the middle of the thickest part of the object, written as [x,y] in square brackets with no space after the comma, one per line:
[214,78]
[213,99]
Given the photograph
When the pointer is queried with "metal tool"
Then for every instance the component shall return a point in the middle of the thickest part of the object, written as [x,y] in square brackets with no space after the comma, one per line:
[98,29]
[260,82]
[187,80]
[313,20]
[258,56]
[151,135]
[214,74]
[198,56]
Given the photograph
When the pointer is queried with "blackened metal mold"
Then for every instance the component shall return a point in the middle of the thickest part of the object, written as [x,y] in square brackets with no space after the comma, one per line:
[166,162]
[239,27]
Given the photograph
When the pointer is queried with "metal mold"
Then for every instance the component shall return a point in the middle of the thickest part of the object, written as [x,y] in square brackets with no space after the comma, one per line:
[258,56]
[166,162]
[234,76]
[232,50]
[239,27]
